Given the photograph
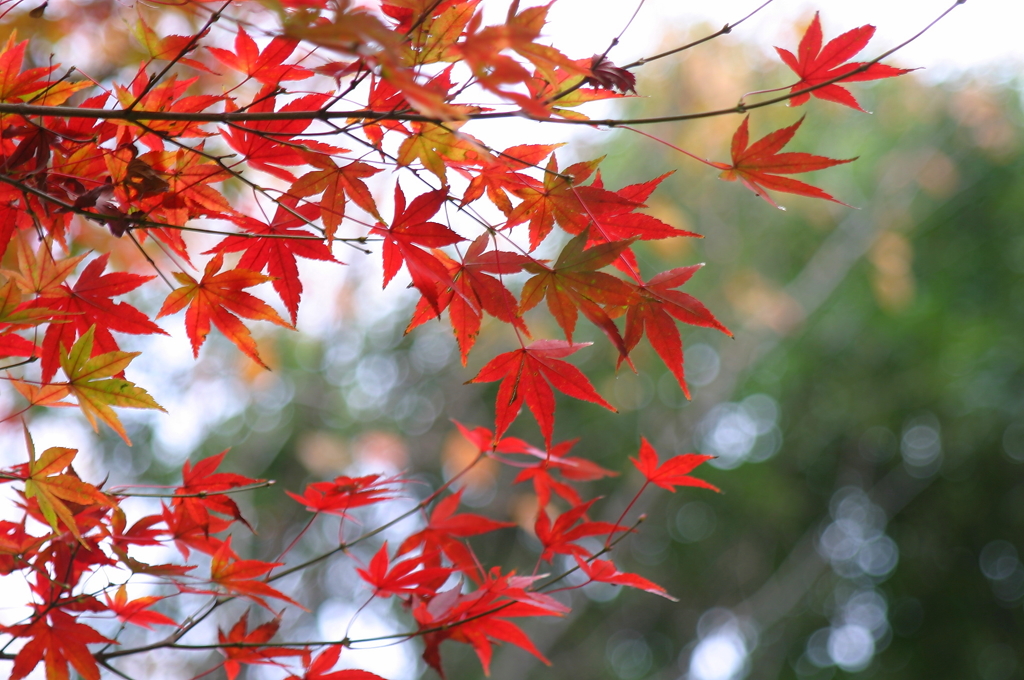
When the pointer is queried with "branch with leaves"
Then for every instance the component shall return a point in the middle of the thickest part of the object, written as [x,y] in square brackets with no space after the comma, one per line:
[240,134]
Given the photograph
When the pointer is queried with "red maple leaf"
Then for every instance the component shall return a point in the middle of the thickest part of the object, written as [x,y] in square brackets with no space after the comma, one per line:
[338,184]
[480,618]
[238,577]
[759,165]
[277,254]
[540,472]
[605,571]
[404,577]
[201,491]
[655,311]
[56,639]
[560,536]
[137,611]
[217,298]
[250,652]
[816,65]
[475,291]
[268,144]
[317,668]
[442,531]
[563,200]
[89,304]
[344,493]
[574,285]
[411,228]
[525,373]
[266,66]
[673,472]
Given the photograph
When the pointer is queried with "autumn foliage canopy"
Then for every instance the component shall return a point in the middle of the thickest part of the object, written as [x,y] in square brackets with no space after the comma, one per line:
[325,130]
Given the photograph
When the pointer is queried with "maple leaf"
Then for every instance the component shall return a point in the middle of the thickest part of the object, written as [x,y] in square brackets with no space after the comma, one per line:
[502,173]
[218,298]
[570,467]
[238,577]
[656,309]
[336,183]
[574,284]
[267,66]
[277,254]
[604,73]
[250,652]
[88,305]
[90,381]
[604,571]
[411,228]
[201,491]
[268,144]
[759,165]
[559,537]
[53,488]
[137,611]
[480,618]
[564,200]
[475,290]
[442,530]
[816,65]
[17,85]
[404,577]
[56,639]
[673,472]
[317,668]
[344,493]
[525,373]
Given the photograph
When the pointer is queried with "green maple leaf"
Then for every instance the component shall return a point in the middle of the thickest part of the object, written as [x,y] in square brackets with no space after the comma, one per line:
[89,379]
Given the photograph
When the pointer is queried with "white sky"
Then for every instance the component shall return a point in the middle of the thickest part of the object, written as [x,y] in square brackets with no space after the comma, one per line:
[977,33]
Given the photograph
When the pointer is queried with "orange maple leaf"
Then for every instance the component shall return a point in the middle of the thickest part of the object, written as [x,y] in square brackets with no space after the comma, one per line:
[219,298]
[760,165]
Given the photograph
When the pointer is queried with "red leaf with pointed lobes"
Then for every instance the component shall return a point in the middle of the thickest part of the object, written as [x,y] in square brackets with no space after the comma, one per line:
[317,668]
[89,304]
[442,531]
[275,254]
[410,229]
[238,577]
[218,298]
[250,653]
[267,66]
[503,174]
[57,639]
[475,291]
[655,311]
[338,186]
[137,611]
[673,472]
[604,571]
[574,285]
[345,493]
[404,577]
[480,618]
[816,65]
[559,537]
[268,144]
[540,473]
[201,491]
[525,374]
[760,165]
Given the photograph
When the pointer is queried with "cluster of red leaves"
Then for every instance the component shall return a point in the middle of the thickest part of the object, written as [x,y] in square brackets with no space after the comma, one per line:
[151,160]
